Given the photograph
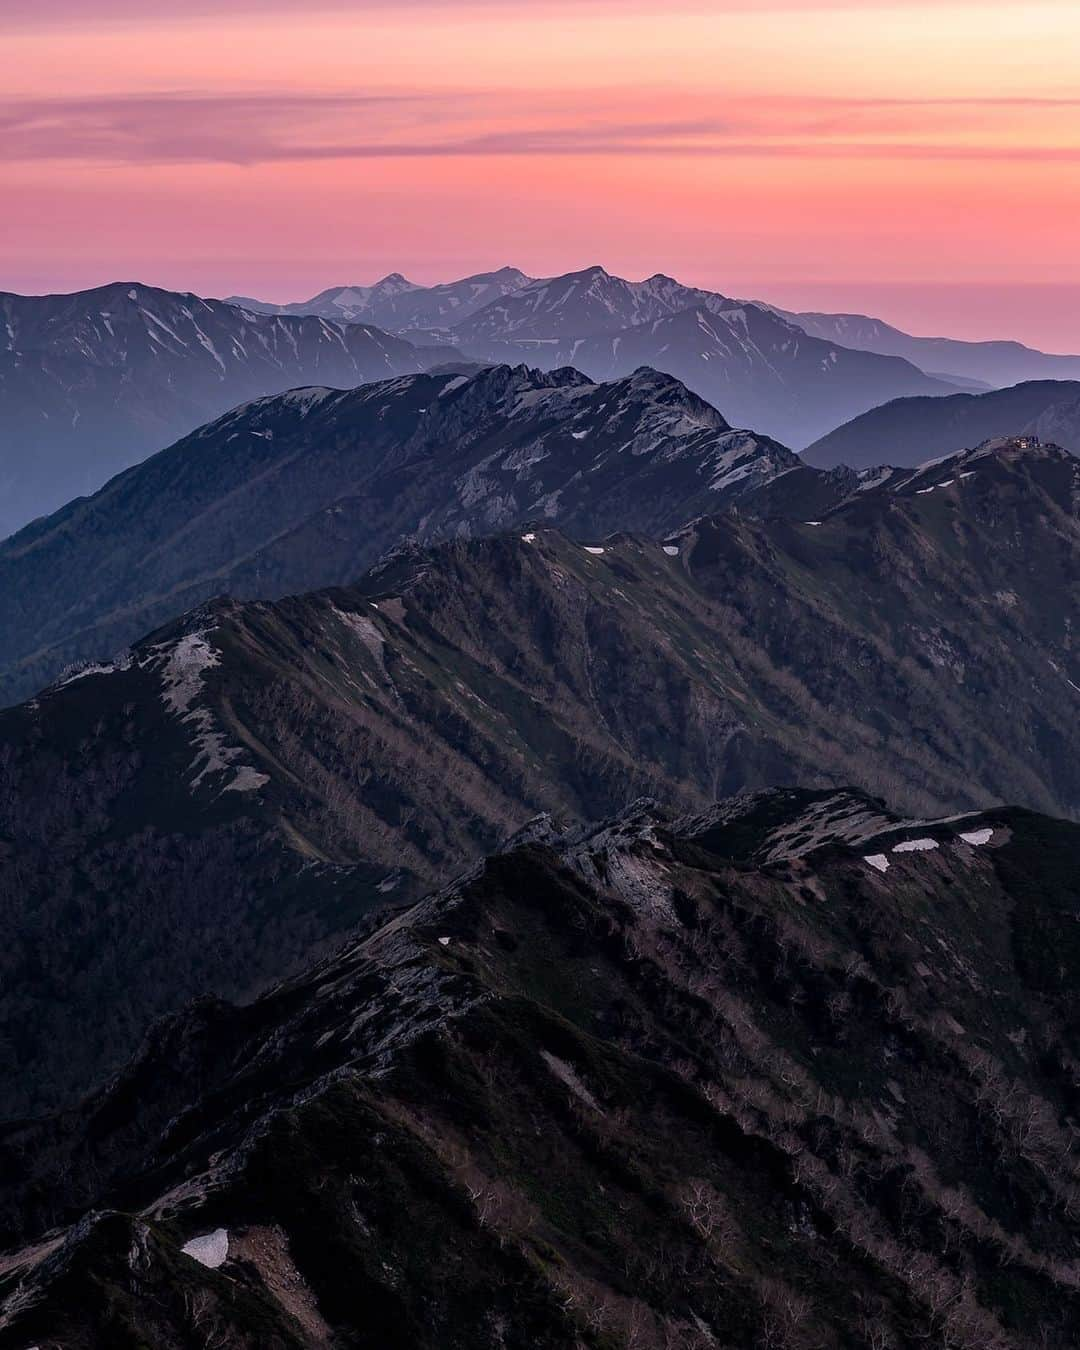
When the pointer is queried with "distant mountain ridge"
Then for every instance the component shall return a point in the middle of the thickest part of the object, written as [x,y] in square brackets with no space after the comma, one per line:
[995,364]
[309,488]
[910,430]
[535,319]
[758,368]
[93,382]
[398,304]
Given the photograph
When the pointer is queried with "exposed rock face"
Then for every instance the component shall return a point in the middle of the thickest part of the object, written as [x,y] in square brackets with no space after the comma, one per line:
[716,1081]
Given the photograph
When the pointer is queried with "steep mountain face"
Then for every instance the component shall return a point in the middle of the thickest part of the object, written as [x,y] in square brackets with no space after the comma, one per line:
[310,488]
[764,371]
[747,359]
[743,358]
[580,304]
[398,304]
[93,382]
[909,431]
[276,770]
[995,364]
[792,1073]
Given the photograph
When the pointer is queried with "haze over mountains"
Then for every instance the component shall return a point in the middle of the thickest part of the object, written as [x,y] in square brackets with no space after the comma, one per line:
[911,430]
[994,364]
[311,487]
[715,1048]
[398,304]
[95,381]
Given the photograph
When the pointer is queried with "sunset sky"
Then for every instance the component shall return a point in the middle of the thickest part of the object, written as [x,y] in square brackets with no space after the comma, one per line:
[919,159]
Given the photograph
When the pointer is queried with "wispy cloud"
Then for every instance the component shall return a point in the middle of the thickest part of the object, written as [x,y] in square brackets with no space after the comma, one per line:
[249,129]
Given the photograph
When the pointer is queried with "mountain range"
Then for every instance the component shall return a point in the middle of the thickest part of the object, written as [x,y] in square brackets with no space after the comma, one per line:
[93,382]
[311,487]
[759,369]
[791,1072]
[994,364]
[397,304]
[499,851]
[910,430]
[241,786]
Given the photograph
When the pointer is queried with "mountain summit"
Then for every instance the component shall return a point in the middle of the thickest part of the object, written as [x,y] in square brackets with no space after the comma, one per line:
[309,488]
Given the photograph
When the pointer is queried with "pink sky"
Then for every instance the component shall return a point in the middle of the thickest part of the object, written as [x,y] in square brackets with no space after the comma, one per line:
[918,160]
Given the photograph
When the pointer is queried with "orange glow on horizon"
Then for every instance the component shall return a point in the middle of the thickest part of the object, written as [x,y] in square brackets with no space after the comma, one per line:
[808,148]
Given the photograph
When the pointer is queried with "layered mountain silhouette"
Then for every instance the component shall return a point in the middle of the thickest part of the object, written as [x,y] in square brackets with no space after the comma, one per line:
[312,487]
[257,777]
[398,304]
[93,382]
[741,356]
[993,364]
[791,1072]
[761,369]
[493,855]
[911,430]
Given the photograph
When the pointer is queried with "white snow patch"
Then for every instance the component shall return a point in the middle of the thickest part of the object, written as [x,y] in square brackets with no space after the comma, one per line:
[365,629]
[568,1075]
[915,846]
[593,550]
[877,860]
[671,550]
[247,780]
[182,678]
[209,1249]
[444,942]
[978,836]
[182,675]
[122,662]
[579,435]
[528,538]
[811,522]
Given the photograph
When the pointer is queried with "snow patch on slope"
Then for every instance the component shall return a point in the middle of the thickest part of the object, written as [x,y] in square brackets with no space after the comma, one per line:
[209,1249]
[183,666]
